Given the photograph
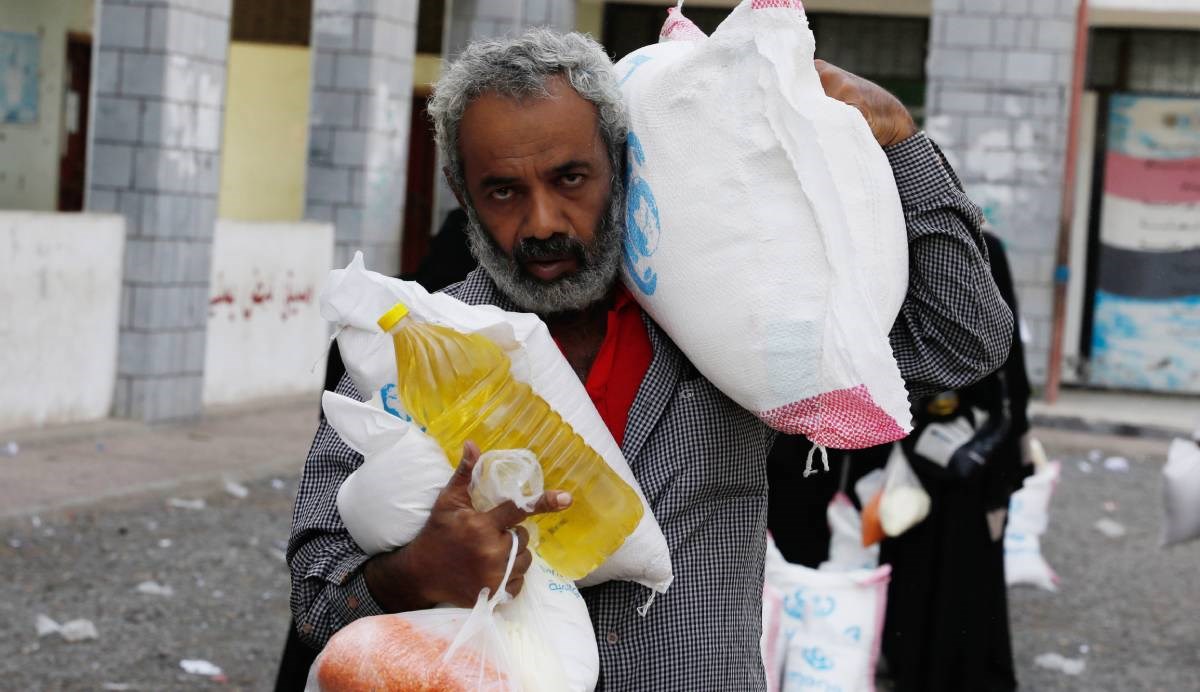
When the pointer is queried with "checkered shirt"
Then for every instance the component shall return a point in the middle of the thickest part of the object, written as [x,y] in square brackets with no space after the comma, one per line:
[701,461]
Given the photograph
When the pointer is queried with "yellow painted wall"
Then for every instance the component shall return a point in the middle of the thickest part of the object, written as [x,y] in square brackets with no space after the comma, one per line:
[427,68]
[589,18]
[265,140]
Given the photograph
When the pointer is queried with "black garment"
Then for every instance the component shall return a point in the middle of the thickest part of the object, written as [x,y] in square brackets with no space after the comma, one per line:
[796,505]
[947,627]
[449,259]
[448,262]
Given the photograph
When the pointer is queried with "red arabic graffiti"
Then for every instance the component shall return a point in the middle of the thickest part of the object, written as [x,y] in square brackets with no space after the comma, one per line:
[249,303]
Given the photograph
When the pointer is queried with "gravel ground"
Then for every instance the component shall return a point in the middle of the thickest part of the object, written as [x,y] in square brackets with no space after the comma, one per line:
[1125,606]
[1133,605]
[224,563]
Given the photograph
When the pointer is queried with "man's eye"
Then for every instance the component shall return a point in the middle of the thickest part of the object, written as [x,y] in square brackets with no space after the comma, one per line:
[572,179]
[502,193]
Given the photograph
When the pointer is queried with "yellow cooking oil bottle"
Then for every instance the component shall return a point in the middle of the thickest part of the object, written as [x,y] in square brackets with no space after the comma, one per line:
[460,388]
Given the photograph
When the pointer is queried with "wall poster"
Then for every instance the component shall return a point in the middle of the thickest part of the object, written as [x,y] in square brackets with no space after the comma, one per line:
[1146,319]
[19,78]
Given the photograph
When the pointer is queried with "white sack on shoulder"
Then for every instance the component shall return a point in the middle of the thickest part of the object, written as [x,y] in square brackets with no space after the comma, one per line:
[387,500]
[354,299]
[739,165]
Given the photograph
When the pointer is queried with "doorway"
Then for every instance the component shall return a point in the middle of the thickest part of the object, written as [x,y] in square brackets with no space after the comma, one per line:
[72,164]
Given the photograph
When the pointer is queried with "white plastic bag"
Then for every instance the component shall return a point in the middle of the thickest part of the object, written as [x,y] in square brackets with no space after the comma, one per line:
[846,551]
[549,634]
[740,165]
[355,298]
[1028,518]
[1181,493]
[867,487]
[905,502]
[446,649]
[833,622]
[501,475]
[387,500]
[550,642]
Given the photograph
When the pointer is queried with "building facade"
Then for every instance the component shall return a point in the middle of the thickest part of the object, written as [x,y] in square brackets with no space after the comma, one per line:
[245,147]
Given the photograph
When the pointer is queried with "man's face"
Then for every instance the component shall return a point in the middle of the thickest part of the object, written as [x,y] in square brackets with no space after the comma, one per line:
[544,219]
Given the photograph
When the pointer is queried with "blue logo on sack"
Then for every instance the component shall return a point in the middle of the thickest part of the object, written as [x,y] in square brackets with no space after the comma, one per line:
[642,224]
[387,395]
[635,61]
[816,658]
[391,403]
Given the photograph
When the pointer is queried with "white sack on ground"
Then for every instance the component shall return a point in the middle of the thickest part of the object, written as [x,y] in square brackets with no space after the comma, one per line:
[833,622]
[740,167]
[1028,518]
[1181,493]
[354,299]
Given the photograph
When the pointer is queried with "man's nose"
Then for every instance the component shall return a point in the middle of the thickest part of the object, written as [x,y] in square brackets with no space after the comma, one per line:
[545,218]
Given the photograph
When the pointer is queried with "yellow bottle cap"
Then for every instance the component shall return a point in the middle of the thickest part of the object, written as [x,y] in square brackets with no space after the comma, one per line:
[392,317]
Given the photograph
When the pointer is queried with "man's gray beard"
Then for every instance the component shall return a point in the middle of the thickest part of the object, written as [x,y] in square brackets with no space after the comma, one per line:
[576,291]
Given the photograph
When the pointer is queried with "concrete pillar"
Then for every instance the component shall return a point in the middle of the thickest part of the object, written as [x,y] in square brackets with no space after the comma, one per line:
[471,19]
[358,150]
[467,20]
[999,76]
[159,81]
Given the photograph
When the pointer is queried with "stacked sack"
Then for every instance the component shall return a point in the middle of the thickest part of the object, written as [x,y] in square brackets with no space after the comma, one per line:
[775,255]
[387,500]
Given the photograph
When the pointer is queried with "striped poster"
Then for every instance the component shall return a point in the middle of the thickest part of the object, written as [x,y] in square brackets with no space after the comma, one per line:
[1146,324]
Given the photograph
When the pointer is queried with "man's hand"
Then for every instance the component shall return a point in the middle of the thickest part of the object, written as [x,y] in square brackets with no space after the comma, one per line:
[890,121]
[459,551]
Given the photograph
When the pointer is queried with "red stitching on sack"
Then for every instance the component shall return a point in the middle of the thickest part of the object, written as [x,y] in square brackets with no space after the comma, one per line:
[779,4]
[841,419]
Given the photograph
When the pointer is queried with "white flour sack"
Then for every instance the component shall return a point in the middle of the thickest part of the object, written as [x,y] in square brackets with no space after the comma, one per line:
[353,300]
[764,229]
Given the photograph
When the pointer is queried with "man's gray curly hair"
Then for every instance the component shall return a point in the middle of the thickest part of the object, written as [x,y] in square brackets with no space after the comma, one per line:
[519,68]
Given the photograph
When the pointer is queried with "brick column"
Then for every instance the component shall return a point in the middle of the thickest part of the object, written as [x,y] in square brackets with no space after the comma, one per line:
[467,20]
[470,19]
[358,150]
[998,96]
[159,83]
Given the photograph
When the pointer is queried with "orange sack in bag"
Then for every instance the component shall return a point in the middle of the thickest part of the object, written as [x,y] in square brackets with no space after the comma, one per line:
[872,527]
[387,652]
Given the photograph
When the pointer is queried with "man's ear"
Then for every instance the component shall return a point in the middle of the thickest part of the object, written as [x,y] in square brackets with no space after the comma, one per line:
[458,194]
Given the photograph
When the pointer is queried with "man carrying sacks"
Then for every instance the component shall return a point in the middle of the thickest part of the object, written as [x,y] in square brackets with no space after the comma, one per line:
[534,134]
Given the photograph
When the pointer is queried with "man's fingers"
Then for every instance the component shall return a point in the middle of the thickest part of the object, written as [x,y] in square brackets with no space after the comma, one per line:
[462,474]
[514,586]
[830,75]
[509,515]
[552,501]
[520,566]
[522,538]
